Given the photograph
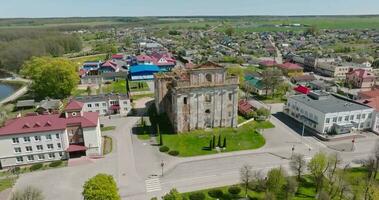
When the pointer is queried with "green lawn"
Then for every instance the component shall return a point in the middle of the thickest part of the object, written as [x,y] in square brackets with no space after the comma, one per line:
[194,142]
[107,146]
[137,86]
[241,119]
[82,59]
[6,183]
[140,96]
[115,87]
[108,128]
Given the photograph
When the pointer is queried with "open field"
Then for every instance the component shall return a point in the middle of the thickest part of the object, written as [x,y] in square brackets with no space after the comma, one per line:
[82,59]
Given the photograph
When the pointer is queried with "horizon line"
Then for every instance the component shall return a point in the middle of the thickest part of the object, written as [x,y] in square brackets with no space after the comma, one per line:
[197,16]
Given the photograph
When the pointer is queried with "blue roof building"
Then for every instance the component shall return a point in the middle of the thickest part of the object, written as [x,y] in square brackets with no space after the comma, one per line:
[143,72]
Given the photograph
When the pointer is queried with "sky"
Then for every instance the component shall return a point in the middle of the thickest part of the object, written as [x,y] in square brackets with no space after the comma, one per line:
[92,8]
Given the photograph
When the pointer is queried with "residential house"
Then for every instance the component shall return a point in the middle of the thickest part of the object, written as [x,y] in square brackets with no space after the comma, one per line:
[303,79]
[43,138]
[108,66]
[360,78]
[106,104]
[244,107]
[290,69]
[49,105]
[255,85]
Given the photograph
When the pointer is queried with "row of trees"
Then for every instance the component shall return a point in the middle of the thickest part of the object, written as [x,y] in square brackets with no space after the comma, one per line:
[330,179]
[17,46]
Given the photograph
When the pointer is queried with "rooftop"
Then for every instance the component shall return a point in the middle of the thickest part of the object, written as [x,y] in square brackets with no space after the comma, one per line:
[328,103]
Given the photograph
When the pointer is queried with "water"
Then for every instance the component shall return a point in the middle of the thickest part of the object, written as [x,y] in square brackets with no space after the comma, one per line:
[5,89]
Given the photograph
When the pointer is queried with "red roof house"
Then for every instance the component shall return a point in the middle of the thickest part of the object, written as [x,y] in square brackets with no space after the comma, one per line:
[361,78]
[244,107]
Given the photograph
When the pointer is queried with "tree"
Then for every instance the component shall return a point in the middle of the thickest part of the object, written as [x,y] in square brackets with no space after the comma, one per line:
[246,175]
[298,165]
[29,193]
[224,145]
[290,188]
[160,136]
[376,157]
[263,113]
[229,31]
[51,77]
[312,30]
[99,187]
[219,141]
[88,90]
[275,180]
[271,79]
[173,195]
[334,160]
[318,167]
[375,64]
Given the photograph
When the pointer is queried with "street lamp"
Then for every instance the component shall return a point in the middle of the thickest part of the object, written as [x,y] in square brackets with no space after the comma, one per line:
[162,165]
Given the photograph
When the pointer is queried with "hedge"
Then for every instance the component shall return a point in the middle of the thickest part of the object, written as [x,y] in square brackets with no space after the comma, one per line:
[36,167]
[173,153]
[164,149]
[55,163]
[215,193]
[197,196]
[234,190]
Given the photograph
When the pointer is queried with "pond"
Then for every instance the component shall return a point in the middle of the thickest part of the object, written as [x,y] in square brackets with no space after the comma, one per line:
[5,88]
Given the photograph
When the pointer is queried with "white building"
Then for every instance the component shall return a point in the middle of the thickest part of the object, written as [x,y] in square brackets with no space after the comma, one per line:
[329,113]
[106,104]
[42,138]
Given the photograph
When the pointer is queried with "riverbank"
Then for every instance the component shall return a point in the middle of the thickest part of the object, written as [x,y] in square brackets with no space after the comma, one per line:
[20,87]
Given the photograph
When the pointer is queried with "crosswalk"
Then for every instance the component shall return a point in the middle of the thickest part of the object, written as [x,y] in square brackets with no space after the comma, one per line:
[153,184]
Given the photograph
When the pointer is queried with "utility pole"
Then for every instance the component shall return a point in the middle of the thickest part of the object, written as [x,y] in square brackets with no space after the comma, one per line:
[162,165]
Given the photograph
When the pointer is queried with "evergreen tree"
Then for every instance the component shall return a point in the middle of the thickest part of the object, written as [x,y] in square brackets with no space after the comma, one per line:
[210,144]
[219,141]
[213,141]
[160,136]
[224,145]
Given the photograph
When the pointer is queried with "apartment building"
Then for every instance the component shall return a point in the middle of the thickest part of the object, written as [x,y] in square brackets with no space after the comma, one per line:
[42,138]
[329,114]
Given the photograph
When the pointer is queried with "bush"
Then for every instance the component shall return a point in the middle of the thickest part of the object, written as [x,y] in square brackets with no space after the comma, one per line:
[101,186]
[164,149]
[154,198]
[173,153]
[197,196]
[234,190]
[215,193]
[36,167]
[55,163]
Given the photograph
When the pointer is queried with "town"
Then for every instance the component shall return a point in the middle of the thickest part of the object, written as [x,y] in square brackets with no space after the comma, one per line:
[191,108]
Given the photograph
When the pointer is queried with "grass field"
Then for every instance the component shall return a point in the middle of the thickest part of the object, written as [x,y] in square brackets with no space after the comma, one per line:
[137,86]
[193,143]
[115,87]
[6,183]
[107,145]
[108,128]
[82,59]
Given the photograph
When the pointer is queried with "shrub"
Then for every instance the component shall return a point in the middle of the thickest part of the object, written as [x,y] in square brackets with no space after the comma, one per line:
[36,167]
[101,186]
[234,190]
[154,198]
[197,196]
[55,163]
[164,149]
[173,153]
[215,193]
